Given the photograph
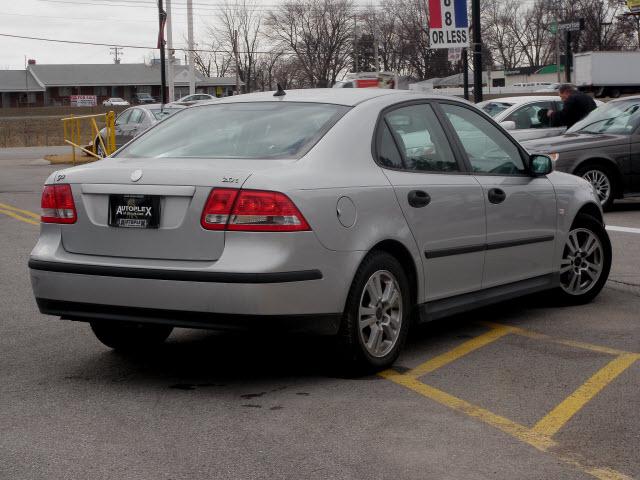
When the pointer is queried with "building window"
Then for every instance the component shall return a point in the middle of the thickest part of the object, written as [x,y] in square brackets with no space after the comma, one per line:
[144,89]
[102,91]
[64,91]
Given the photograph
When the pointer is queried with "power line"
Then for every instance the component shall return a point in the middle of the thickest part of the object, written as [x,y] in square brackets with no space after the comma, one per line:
[96,44]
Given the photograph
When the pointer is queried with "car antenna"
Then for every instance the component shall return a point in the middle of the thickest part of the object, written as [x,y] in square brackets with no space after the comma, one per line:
[280,92]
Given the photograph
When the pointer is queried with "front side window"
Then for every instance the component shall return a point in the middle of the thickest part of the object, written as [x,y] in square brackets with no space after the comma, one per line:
[420,138]
[488,149]
[123,118]
[252,130]
[534,115]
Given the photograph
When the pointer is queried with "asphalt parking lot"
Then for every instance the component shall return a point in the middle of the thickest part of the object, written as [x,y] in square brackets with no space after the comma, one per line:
[524,390]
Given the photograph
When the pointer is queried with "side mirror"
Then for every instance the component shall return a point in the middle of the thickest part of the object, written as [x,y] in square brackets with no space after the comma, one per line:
[540,165]
[508,125]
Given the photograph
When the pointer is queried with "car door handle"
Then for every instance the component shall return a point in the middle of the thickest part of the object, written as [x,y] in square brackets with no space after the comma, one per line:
[418,198]
[496,195]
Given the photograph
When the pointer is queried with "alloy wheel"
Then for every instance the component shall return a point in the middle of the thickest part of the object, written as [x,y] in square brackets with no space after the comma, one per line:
[582,262]
[380,313]
[600,182]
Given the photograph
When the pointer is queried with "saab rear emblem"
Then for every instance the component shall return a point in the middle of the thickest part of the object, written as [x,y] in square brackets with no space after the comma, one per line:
[136,175]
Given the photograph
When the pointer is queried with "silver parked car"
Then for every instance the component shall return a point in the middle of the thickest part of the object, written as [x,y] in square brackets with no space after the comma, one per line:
[525,117]
[349,212]
[133,121]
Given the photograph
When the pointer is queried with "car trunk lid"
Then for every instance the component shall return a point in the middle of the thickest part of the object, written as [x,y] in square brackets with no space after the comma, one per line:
[180,187]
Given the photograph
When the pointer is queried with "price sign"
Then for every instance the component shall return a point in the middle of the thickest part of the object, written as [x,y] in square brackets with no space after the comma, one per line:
[448,24]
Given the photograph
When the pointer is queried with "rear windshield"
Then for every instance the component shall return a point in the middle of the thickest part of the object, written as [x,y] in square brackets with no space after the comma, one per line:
[494,108]
[253,130]
[164,113]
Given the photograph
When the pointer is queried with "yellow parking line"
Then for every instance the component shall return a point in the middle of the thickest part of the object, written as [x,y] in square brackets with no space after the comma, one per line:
[18,217]
[542,336]
[512,428]
[496,332]
[4,206]
[562,413]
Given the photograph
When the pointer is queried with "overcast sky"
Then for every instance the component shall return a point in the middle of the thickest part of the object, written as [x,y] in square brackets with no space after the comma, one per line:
[131,22]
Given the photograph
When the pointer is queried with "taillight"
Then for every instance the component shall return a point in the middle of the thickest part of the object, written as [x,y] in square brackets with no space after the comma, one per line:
[218,208]
[57,204]
[252,210]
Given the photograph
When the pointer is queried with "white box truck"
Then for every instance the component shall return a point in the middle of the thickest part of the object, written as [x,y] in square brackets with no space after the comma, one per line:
[607,74]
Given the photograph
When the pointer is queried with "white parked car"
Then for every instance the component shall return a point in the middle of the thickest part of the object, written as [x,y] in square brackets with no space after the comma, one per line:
[525,117]
[115,102]
[195,98]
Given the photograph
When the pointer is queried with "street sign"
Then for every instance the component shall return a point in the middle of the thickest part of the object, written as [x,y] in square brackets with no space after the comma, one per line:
[573,26]
[634,6]
[448,24]
[454,55]
[83,100]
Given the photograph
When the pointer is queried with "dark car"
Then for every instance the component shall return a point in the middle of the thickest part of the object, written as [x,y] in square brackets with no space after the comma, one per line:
[603,148]
[142,99]
[135,120]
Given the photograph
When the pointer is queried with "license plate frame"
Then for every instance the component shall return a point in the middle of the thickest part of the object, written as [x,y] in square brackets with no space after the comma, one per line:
[134,211]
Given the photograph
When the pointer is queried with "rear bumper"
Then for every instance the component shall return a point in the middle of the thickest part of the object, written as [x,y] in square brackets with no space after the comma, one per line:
[323,324]
[174,275]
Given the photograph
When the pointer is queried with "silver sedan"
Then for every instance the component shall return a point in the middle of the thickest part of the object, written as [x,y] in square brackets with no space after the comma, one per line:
[341,212]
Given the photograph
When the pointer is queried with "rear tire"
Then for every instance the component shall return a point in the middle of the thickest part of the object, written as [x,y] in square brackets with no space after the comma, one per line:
[586,262]
[603,181]
[377,315]
[127,336]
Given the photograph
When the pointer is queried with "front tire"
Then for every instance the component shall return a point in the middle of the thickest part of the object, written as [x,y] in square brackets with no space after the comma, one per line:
[377,314]
[602,180]
[99,150]
[127,336]
[586,261]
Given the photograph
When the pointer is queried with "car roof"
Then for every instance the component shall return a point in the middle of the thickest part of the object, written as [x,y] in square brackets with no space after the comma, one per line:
[338,96]
[158,105]
[622,99]
[525,99]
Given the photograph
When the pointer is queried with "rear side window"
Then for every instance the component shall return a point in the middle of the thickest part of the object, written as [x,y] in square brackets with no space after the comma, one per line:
[420,139]
[136,116]
[252,130]
[388,154]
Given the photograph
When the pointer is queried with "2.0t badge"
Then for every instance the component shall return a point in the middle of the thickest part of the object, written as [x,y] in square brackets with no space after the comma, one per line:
[136,175]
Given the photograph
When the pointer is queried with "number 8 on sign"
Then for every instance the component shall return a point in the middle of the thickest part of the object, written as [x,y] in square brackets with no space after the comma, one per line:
[448,24]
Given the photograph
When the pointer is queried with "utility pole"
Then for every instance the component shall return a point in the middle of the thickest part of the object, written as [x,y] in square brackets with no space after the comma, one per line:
[162,17]
[567,56]
[355,43]
[117,53]
[170,71]
[192,74]
[477,51]
[235,55]
[465,72]
[375,42]
[558,39]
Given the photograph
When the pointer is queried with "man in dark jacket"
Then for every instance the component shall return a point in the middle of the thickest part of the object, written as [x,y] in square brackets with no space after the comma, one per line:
[577,105]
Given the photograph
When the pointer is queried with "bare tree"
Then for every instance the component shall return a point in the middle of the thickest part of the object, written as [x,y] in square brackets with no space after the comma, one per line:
[243,18]
[319,32]
[215,62]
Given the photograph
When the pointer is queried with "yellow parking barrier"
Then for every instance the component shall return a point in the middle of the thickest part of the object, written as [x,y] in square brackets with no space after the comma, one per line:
[72,127]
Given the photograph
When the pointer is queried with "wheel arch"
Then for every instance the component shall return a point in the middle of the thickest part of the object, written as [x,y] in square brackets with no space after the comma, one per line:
[592,210]
[406,259]
[611,165]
